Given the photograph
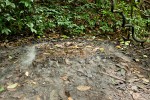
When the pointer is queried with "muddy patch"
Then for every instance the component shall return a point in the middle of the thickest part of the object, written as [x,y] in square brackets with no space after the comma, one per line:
[76,70]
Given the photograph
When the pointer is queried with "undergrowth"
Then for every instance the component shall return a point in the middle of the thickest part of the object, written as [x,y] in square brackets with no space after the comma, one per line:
[69,17]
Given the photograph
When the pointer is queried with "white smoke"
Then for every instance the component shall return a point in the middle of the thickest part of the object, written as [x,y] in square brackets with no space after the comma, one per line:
[29,56]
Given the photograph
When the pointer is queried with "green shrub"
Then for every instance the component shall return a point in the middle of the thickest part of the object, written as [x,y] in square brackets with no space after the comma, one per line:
[69,17]
[15,15]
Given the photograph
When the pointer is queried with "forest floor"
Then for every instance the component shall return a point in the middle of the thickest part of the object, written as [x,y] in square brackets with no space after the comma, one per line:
[74,69]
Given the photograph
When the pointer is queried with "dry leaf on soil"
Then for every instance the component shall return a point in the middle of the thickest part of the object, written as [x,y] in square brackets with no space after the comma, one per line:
[27,73]
[101,49]
[12,86]
[118,47]
[127,43]
[10,57]
[59,46]
[137,60]
[145,56]
[69,98]
[67,61]
[145,80]
[65,78]
[88,46]
[95,49]
[83,88]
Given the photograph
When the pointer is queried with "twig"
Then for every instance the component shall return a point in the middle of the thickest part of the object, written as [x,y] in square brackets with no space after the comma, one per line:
[113,76]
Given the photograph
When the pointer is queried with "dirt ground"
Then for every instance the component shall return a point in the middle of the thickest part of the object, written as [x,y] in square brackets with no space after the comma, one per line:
[75,69]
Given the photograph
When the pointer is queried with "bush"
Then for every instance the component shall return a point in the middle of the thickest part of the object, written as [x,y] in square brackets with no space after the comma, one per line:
[15,15]
[70,17]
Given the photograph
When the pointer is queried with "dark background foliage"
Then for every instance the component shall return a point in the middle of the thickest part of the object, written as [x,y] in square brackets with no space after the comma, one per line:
[69,17]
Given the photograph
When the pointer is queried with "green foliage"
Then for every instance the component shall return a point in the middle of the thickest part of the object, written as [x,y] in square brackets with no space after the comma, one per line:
[14,15]
[1,89]
[136,19]
[69,17]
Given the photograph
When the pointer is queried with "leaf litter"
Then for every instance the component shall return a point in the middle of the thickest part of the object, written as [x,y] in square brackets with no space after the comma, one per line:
[60,66]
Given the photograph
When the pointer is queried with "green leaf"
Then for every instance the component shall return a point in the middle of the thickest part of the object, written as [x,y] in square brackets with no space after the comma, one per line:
[7,2]
[30,24]
[12,5]
[6,31]
[26,4]
[2,5]
[10,18]
[33,30]
[1,89]
[65,36]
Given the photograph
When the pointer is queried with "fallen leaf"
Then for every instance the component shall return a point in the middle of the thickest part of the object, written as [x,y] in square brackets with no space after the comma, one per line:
[33,82]
[137,60]
[10,57]
[95,49]
[12,86]
[88,46]
[101,49]
[93,37]
[69,44]
[69,98]
[27,73]
[145,80]
[59,46]
[145,56]
[64,36]
[39,37]
[74,47]
[122,42]
[67,61]
[65,78]
[127,43]
[38,97]
[83,88]
[118,46]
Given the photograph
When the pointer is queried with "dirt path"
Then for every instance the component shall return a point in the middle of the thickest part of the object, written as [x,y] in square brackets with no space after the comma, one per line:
[73,70]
